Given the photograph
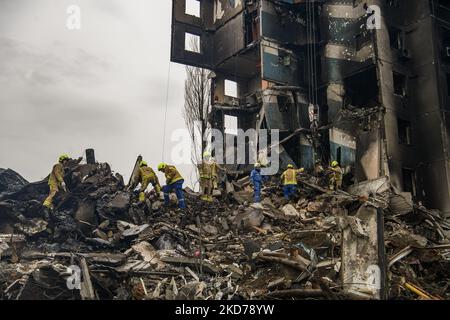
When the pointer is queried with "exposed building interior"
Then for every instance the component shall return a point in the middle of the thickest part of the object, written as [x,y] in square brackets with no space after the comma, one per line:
[376,99]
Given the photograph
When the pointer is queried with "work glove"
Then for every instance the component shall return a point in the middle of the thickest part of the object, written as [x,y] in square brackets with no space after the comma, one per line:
[63,186]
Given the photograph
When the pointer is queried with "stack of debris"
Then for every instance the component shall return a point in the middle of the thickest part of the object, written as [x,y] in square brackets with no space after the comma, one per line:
[11,181]
[101,243]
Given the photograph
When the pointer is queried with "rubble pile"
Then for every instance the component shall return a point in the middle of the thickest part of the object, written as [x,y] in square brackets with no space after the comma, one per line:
[101,243]
[11,181]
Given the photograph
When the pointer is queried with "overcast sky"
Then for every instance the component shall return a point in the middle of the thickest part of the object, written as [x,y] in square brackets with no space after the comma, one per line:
[103,86]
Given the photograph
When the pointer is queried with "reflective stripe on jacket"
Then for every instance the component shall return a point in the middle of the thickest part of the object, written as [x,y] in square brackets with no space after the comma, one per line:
[289,176]
[205,170]
[337,173]
[147,175]
[172,174]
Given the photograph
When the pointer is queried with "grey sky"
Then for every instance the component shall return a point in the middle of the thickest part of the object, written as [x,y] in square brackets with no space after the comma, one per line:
[103,86]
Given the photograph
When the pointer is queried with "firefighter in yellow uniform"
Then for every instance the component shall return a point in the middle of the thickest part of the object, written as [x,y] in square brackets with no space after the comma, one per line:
[289,181]
[215,175]
[335,176]
[145,177]
[215,172]
[206,170]
[56,181]
[174,181]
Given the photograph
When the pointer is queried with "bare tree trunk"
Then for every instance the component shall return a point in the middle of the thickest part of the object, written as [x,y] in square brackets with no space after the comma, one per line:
[197,89]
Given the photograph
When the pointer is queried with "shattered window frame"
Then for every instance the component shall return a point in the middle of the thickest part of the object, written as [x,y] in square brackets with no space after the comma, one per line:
[192,42]
[193,8]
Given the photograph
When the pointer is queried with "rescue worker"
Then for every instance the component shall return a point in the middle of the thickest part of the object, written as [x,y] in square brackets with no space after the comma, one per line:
[145,177]
[205,170]
[215,172]
[256,180]
[56,181]
[174,181]
[289,181]
[335,176]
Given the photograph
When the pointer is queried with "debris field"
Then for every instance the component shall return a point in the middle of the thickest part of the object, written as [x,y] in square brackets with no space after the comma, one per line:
[370,242]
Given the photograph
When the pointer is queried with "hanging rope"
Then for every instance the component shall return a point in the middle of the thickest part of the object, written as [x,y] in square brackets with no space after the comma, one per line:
[315,81]
[308,54]
[165,113]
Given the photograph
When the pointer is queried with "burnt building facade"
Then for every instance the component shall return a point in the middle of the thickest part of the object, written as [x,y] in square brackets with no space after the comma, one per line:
[366,83]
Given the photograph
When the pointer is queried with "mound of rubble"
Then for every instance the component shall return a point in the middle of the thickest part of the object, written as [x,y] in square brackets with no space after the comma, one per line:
[11,181]
[100,243]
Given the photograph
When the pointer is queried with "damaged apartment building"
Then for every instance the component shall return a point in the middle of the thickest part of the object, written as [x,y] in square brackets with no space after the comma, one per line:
[366,83]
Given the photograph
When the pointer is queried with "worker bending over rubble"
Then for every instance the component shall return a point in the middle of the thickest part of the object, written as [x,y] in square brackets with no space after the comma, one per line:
[174,181]
[256,180]
[146,176]
[56,181]
[289,181]
[206,170]
[335,176]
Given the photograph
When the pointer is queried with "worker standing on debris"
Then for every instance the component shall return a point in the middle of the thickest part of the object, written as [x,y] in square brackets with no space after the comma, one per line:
[174,181]
[256,180]
[56,181]
[215,172]
[145,177]
[335,176]
[206,170]
[289,180]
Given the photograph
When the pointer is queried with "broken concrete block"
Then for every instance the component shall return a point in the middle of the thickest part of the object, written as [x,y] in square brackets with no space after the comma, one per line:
[402,238]
[362,257]
[156,205]
[85,215]
[224,224]
[149,254]
[134,231]
[86,212]
[165,242]
[211,230]
[290,212]
[109,259]
[120,202]
[317,206]
[249,218]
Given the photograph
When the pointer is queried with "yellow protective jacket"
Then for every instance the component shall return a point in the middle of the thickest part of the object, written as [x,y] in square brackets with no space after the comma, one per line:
[147,175]
[290,176]
[207,170]
[337,173]
[214,169]
[172,174]
[57,176]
